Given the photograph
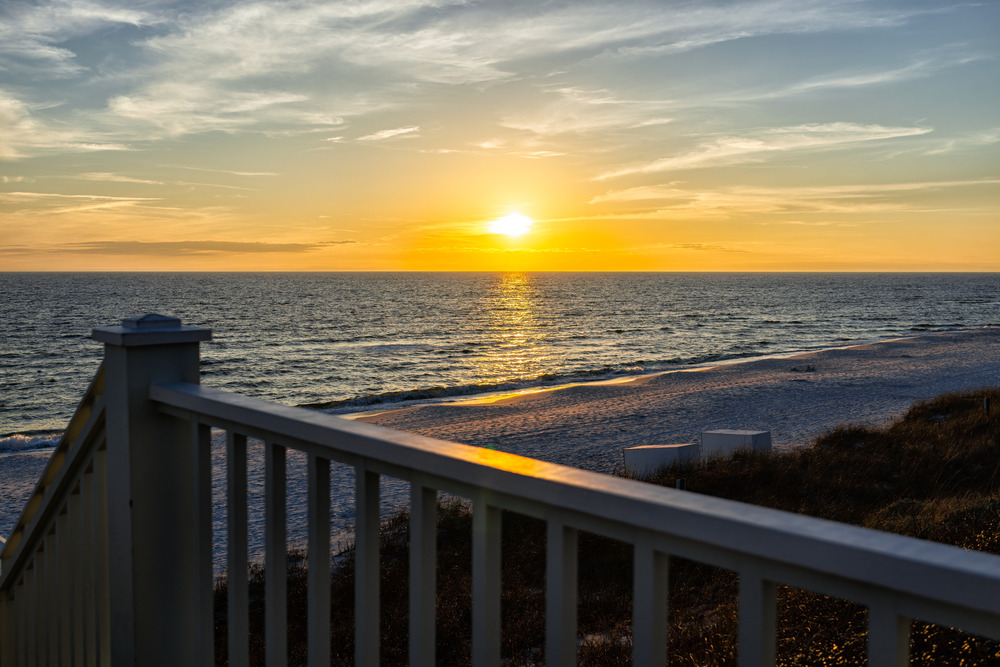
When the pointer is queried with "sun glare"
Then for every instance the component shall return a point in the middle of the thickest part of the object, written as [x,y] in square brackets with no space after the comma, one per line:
[513,224]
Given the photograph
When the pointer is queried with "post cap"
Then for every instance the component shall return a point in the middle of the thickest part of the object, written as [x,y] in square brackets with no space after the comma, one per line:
[150,329]
[151,321]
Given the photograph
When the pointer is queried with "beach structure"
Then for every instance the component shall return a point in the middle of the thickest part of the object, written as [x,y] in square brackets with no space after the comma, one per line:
[726,442]
[111,560]
[647,459]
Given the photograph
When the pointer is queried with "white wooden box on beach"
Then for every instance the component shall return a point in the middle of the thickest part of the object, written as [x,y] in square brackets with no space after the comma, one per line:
[647,459]
[724,442]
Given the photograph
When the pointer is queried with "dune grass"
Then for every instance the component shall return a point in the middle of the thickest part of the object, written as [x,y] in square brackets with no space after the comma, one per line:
[933,474]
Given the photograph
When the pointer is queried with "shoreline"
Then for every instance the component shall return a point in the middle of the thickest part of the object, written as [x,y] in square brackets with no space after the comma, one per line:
[796,396]
[489,397]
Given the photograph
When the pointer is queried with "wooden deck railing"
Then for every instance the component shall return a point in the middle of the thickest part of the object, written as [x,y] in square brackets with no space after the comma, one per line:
[160,582]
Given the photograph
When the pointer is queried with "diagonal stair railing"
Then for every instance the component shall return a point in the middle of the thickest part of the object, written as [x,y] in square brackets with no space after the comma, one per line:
[54,567]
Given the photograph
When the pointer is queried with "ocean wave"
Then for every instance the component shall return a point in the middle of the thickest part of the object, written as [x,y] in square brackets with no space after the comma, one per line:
[20,442]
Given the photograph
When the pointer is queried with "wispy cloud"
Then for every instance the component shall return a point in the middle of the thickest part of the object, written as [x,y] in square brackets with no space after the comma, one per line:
[27,196]
[696,247]
[709,24]
[920,66]
[576,110]
[32,35]
[382,135]
[21,134]
[108,177]
[182,248]
[273,66]
[732,201]
[756,146]
[223,171]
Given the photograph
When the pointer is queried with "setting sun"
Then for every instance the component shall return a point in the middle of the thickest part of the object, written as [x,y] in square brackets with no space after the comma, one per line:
[514,224]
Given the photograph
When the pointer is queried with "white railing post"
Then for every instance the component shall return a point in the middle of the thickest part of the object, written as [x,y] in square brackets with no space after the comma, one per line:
[649,605]
[423,574]
[561,570]
[757,619]
[486,584]
[157,604]
[888,635]
[367,568]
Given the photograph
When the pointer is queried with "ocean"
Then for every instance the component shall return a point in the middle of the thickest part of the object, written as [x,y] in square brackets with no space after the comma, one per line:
[347,342]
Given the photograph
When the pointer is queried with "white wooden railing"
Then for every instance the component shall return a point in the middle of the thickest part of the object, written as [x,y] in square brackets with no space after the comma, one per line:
[112,563]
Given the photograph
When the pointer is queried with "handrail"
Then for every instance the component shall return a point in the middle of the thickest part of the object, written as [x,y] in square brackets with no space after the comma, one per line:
[792,547]
[60,471]
[54,589]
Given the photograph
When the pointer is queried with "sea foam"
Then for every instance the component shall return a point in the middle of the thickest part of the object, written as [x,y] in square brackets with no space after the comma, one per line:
[20,443]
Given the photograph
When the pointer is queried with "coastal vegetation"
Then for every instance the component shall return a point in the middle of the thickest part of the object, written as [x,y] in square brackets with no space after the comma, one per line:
[933,474]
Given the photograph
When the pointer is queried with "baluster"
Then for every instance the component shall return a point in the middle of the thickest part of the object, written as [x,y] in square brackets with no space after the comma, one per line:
[78,558]
[423,574]
[88,593]
[318,615]
[103,576]
[20,612]
[366,574]
[31,579]
[560,594]
[275,557]
[66,558]
[888,636]
[201,460]
[649,606]
[758,619]
[8,621]
[236,523]
[485,582]
[90,597]
[51,596]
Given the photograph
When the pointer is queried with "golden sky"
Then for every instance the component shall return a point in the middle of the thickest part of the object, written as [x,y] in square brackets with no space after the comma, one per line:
[389,134]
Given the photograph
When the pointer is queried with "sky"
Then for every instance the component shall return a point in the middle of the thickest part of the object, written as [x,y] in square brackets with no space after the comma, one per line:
[788,135]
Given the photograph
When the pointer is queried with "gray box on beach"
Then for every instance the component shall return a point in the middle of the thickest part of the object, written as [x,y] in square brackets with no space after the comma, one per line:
[725,441]
[647,459]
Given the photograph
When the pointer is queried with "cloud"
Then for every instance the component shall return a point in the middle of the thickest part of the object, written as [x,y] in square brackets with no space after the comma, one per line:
[699,247]
[185,248]
[922,66]
[742,200]
[115,178]
[577,110]
[174,69]
[22,135]
[15,196]
[33,36]
[756,146]
[224,171]
[312,63]
[696,27]
[389,134]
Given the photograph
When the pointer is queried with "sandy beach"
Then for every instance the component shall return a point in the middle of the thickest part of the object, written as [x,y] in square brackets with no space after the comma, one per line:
[796,397]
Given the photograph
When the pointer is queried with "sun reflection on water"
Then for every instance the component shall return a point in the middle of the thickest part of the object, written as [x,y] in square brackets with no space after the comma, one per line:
[513,330]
